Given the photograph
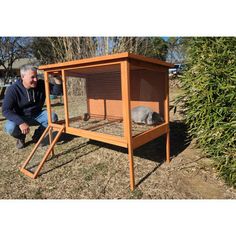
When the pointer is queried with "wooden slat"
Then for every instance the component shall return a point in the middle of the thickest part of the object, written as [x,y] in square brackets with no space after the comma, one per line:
[150,60]
[74,70]
[92,116]
[65,98]
[102,125]
[147,66]
[167,116]
[50,140]
[47,92]
[57,126]
[27,173]
[94,70]
[125,85]
[106,138]
[87,61]
[149,135]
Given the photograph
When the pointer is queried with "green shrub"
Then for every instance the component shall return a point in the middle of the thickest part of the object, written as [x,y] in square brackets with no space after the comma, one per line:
[209,98]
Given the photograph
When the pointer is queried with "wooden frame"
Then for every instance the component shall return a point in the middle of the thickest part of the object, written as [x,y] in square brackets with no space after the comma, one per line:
[125,61]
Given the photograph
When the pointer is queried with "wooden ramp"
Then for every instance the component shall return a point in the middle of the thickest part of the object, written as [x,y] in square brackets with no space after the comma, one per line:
[49,151]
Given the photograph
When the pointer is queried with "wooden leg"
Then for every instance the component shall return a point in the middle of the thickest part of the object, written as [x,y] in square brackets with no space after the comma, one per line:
[50,140]
[131,168]
[168,147]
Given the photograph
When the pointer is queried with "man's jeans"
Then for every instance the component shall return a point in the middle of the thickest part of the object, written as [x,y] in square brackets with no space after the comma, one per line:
[41,120]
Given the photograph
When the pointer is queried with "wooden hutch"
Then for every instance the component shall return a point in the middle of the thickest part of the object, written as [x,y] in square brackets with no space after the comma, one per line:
[114,85]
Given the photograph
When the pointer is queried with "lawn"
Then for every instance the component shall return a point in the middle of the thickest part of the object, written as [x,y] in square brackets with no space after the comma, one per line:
[86,169]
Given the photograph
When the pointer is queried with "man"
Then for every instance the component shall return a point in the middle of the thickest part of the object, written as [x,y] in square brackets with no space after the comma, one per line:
[23,103]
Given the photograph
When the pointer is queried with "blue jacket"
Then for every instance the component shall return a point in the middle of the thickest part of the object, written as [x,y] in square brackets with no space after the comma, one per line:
[19,101]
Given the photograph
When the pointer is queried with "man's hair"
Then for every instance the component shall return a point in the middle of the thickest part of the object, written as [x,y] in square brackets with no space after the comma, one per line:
[26,68]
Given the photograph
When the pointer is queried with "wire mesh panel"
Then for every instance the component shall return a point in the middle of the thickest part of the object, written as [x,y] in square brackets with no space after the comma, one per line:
[97,106]
[147,99]
[76,99]
[55,100]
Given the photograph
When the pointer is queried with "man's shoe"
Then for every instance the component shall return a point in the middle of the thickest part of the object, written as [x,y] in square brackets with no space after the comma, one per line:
[37,134]
[36,139]
[20,143]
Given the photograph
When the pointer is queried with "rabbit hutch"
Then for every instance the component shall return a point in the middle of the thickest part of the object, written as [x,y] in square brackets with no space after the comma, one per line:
[112,86]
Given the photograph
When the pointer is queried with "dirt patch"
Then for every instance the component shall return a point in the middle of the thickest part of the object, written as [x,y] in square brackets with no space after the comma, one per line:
[85,169]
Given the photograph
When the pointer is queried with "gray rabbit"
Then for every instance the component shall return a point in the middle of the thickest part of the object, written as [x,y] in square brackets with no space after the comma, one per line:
[145,115]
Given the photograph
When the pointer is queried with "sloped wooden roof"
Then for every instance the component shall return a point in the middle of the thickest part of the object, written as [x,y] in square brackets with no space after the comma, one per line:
[106,58]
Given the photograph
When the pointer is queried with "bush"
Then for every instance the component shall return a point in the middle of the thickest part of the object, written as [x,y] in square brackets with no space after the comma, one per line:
[210,99]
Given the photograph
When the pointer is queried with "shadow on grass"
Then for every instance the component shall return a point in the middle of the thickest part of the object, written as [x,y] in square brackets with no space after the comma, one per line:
[71,158]
[154,150]
[64,138]
[66,158]
[58,104]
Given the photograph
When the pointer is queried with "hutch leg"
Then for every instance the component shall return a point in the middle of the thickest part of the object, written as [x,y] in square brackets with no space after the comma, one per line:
[168,146]
[131,168]
[167,117]
[125,87]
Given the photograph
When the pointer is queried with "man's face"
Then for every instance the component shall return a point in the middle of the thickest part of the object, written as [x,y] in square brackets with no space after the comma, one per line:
[30,79]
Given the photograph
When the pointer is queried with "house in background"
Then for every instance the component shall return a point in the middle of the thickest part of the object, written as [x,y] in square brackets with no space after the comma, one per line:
[15,73]
[16,66]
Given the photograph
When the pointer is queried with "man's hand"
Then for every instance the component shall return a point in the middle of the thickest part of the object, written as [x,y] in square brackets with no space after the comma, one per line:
[24,128]
[57,79]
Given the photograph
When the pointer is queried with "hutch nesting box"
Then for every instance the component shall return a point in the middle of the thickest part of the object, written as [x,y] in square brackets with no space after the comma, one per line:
[109,88]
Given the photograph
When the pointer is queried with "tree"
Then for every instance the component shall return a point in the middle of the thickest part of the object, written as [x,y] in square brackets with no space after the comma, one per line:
[147,46]
[177,47]
[11,49]
[59,49]
[158,48]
